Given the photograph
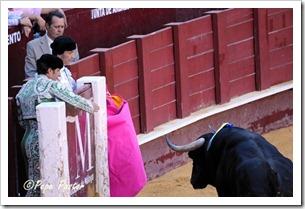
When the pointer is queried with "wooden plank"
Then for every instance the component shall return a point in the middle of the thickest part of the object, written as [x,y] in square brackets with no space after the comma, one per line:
[261,45]
[161,57]
[181,69]
[124,52]
[168,76]
[106,66]
[191,27]
[242,86]
[240,50]
[201,81]
[222,86]
[134,106]
[86,66]
[280,56]
[280,20]
[236,16]
[242,67]
[280,38]
[120,65]
[159,38]
[199,44]
[240,31]
[144,83]
[282,73]
[128,89]
[164,95]
[202,99]
[157,52]
[164,113]
[125,72]
[201,63]
[272,11]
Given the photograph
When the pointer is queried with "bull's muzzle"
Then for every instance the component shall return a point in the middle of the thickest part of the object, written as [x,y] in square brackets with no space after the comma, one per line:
[186,148]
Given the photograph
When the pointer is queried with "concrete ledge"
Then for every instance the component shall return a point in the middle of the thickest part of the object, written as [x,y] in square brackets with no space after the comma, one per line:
[173,125]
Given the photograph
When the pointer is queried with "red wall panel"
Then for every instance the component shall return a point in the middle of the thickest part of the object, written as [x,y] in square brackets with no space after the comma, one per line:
[243,67]
[168,76]
[279,19]
[280,44]
[157,84]
[87,66]
[195,58]
[237,16]
[280,38]
[241,31]
[201,62]
[240,50]
[120,66]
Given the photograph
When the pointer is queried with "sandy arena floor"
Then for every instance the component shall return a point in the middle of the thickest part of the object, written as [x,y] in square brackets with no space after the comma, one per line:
[176,183]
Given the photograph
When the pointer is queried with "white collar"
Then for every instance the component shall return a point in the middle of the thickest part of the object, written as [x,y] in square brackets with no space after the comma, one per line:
[50,41]
[213,137]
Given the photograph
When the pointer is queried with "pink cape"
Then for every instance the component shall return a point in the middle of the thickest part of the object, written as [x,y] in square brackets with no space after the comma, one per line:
[126,168]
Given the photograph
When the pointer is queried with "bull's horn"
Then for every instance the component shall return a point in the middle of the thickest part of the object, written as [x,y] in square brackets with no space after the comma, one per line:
[185,148]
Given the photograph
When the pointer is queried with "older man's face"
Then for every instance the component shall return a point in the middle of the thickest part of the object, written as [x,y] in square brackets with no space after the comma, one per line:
[57,27]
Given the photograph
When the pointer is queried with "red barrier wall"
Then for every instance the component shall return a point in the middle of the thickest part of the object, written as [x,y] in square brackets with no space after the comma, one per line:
[194,64]
[87,66]
[194,55]
[240,51]
[157,78]
[280,44]
[273,30]
[120,66]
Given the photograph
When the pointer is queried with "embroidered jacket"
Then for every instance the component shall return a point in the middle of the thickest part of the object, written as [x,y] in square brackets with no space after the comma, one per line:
[42,89]
[66,79]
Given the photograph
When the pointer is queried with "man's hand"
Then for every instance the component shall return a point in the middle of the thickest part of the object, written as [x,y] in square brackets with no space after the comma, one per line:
[95,107]
[26,26]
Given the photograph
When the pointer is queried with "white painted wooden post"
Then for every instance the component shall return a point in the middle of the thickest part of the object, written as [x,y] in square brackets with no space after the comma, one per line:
[53,149]
[98,84]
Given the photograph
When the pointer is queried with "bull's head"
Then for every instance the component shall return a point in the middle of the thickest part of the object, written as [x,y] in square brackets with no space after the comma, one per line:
[197,152]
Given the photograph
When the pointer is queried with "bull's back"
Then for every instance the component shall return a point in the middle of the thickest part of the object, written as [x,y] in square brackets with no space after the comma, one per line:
[251,145]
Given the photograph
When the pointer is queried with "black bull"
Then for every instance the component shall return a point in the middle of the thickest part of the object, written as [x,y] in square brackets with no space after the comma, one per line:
[239,163]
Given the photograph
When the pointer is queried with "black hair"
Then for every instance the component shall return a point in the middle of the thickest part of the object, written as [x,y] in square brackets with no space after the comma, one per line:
[50,16]
[47,61]
[62,44]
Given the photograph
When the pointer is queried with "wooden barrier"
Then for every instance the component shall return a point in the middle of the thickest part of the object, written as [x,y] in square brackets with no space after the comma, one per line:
[108,27]
[273,32]
[234,53]
[119,65]
[157,78]
[76,162]
[87,66]
[219,56]
[194,65]
[280,44]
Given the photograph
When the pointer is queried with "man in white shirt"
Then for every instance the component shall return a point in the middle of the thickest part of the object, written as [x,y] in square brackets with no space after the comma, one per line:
[63,47]
[55,26]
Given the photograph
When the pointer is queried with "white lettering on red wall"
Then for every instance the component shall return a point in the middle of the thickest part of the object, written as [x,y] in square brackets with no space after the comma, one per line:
[14,38]
[100,12]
